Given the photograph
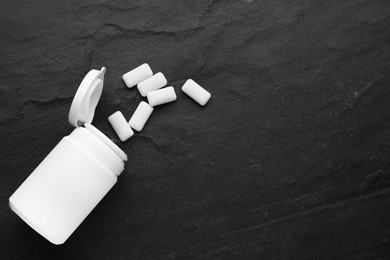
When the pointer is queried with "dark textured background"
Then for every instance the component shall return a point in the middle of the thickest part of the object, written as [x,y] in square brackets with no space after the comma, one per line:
[289,159]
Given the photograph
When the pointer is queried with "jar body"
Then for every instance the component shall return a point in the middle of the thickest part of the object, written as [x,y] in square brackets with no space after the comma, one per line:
[61,192]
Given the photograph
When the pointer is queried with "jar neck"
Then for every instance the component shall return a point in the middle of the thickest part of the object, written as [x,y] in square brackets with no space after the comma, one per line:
[101,147]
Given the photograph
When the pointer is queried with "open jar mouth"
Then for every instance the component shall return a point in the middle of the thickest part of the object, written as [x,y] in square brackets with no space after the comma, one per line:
[102,148]
[99,149]
[118,151]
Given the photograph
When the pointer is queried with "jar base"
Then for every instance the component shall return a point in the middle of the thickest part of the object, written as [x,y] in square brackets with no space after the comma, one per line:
[32,225]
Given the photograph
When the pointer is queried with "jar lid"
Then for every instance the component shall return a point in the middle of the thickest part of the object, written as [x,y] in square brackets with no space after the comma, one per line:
[86,98]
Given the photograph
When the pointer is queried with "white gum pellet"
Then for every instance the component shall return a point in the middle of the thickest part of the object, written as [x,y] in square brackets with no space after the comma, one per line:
[196,92]
[137,75]
[140,116]
[120,126]
[161,96]
[155,82]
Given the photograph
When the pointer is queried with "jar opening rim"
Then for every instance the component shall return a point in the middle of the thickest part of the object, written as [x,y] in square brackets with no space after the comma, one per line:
[107,141]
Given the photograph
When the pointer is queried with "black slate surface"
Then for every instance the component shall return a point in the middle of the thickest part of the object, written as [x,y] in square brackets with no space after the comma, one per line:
[289,160]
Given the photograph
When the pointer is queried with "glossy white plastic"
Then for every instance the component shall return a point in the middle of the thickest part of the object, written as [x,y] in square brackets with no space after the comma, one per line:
[72,179]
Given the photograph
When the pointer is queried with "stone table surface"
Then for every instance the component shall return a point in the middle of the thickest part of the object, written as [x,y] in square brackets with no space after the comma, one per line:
[290,159]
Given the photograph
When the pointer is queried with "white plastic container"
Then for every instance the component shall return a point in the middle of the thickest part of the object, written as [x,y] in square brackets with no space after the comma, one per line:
[72,179]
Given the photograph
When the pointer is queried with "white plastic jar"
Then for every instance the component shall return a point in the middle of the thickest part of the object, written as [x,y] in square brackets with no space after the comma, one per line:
[73,178]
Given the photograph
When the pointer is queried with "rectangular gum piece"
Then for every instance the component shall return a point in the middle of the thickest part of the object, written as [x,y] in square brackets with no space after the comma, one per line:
[155,82]
[120,126]
[140,116]
[161,96]
[196,92]
[137,75]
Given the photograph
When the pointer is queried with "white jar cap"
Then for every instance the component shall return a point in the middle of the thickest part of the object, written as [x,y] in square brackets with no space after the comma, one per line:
[86,98]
